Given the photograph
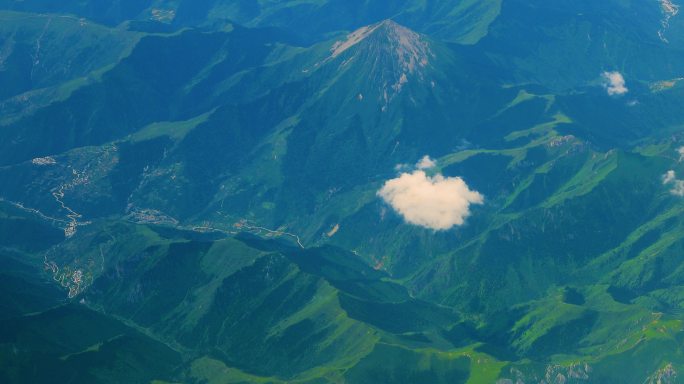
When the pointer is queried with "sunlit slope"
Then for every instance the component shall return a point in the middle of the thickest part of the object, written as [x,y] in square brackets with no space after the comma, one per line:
[252,304]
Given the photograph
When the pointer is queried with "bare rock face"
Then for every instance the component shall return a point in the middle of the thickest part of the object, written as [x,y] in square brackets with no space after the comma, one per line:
[407,47]
[665,375]
[393,54]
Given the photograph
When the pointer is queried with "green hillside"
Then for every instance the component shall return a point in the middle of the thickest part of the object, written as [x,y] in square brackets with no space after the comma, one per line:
[327,191]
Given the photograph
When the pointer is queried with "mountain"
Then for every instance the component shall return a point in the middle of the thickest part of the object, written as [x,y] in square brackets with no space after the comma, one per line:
[457,21]
[328,192]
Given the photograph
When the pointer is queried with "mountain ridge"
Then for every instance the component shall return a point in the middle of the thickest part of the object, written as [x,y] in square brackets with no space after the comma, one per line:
[209,190]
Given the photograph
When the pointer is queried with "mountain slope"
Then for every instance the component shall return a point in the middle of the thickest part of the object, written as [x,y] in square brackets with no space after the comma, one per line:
[211,192]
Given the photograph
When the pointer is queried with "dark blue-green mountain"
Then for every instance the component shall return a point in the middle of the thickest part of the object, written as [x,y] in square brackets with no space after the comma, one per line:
[328,191]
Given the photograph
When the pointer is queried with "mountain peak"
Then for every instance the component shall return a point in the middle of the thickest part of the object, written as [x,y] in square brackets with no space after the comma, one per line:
[407,47]
[387,55]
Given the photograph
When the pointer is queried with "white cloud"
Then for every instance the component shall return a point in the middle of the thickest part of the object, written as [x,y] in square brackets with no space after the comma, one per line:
[426,163]
[680,150]
[670,178]
[678,188]
[614,83]
[435,202]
